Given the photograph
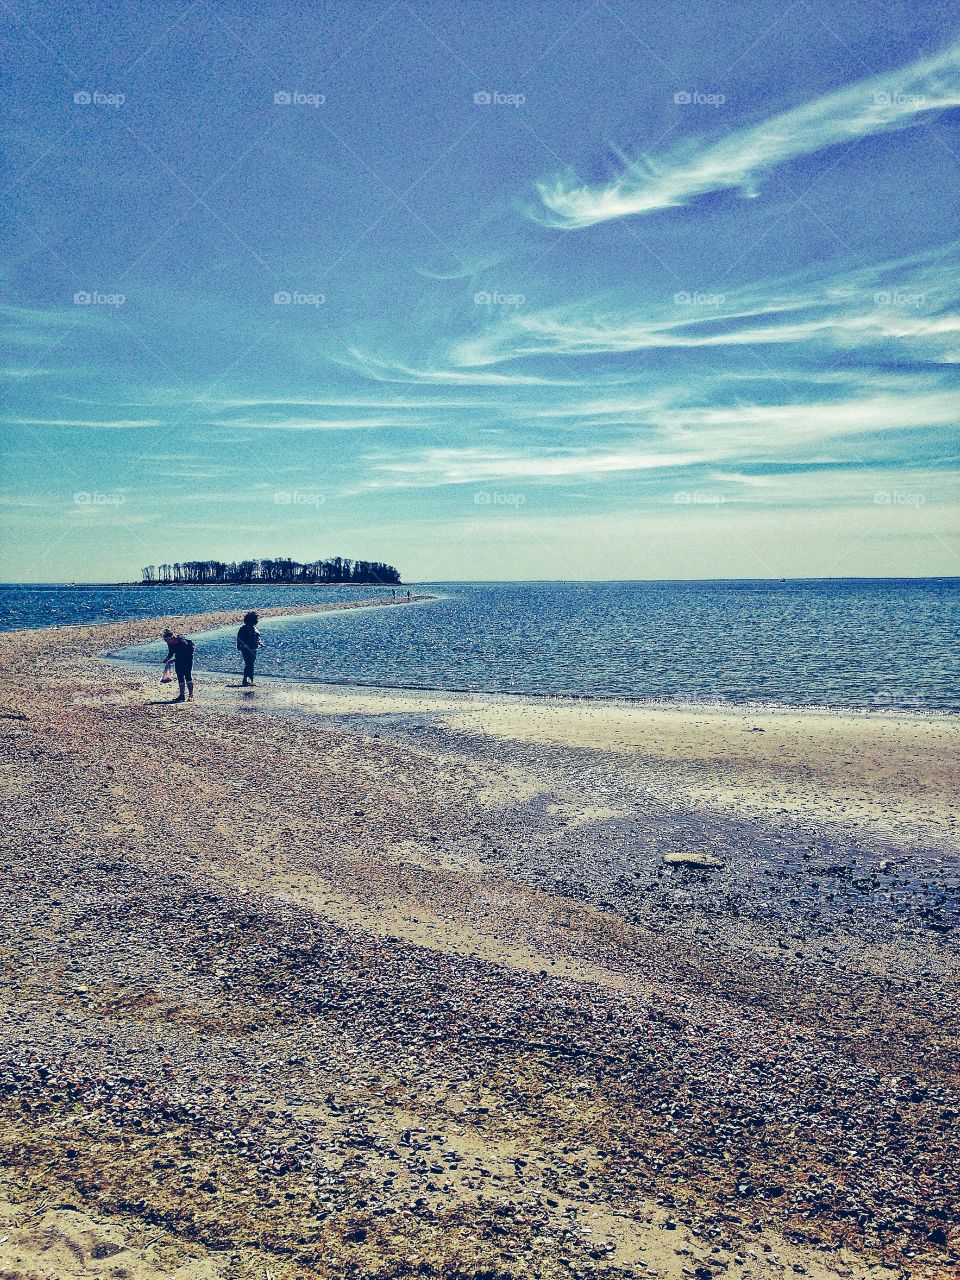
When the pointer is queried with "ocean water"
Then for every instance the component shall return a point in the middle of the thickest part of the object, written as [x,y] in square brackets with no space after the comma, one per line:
[872,644]
[45,604]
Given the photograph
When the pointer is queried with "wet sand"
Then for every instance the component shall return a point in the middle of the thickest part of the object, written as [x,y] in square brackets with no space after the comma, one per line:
[306,981]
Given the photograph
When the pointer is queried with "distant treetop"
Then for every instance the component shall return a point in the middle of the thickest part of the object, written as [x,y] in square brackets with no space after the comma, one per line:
[283,569]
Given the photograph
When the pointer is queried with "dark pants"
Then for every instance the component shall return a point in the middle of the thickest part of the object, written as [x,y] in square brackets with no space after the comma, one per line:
[184,672]
[249,658]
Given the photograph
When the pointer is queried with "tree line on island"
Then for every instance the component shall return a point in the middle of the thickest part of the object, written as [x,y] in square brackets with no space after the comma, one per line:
[282,570]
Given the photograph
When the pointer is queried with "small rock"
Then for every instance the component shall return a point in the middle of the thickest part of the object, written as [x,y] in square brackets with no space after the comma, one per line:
[691,859]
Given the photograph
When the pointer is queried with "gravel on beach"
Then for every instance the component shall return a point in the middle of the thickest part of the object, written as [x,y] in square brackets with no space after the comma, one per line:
[366,986]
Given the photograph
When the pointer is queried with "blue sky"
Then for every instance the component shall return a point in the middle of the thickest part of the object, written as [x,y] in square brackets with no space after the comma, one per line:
[484,290]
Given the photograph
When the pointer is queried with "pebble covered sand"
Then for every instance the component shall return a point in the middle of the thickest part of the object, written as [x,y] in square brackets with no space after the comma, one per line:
[316,982]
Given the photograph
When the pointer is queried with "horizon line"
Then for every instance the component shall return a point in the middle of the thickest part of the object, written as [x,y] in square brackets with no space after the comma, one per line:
[420,582]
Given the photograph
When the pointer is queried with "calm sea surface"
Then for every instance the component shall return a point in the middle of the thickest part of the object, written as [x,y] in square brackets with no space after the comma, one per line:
[848,643]
[47,604]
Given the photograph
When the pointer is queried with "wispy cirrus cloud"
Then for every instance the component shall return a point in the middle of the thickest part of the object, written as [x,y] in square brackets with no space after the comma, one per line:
[912,303]
[383,369]
[368,403]
[15,373]
[567,333]
[376,422]
[105,424]
[765,429]
[33,326]
[893,100]
[471,465]
[677,441]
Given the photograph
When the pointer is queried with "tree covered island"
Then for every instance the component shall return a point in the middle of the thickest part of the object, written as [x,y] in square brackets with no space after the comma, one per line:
[281,570]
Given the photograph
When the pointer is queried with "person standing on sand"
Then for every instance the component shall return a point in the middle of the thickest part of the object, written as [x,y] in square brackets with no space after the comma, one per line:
[180,653]
[248,642]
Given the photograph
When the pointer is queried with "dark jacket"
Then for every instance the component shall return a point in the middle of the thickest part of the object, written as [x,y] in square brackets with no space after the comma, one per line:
[179,651]
[248,637]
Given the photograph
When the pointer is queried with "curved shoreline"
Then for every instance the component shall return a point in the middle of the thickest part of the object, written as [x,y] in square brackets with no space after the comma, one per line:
[680,704]
[145,630]
[230,614]
[612,699]
[278,613]
[877,771]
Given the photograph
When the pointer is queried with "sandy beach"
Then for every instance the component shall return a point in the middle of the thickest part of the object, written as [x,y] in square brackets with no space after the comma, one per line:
[307,981]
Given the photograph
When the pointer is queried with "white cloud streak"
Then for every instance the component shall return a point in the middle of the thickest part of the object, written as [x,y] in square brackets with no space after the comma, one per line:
[677,440]
[911,304]
[383,370]
[893,100]
[378,422]
[106,424]
[471,466]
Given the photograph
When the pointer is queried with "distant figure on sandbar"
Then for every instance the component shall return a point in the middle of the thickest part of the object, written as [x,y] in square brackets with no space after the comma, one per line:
[180,653]
[409,597]
[248,642]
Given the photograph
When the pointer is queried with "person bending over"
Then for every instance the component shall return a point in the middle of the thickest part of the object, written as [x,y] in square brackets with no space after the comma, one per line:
[248,642]
[180,653]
